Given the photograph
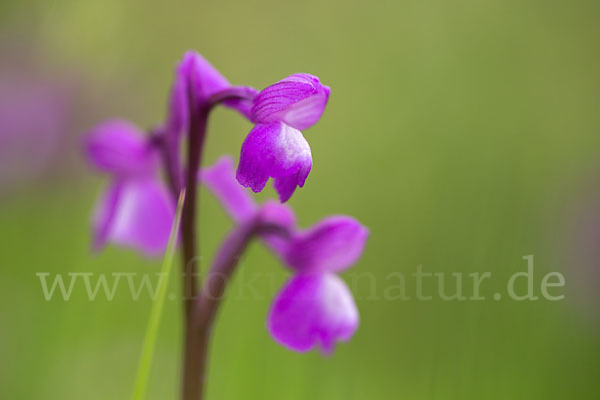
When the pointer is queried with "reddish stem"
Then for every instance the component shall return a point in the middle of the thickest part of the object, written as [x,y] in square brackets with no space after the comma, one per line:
[197,327]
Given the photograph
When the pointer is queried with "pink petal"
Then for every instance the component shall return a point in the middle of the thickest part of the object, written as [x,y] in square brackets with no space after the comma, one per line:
[135,213]
[333,244]
[118,147]
[104,214]
[277,213]
[278,151]
[205,79]
[220,180]
[196,73]
[298,100]
[243,105]
[313,310]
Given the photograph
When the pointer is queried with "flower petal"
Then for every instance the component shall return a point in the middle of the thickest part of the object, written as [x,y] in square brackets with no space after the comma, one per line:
[242,104]
[276,213]
[205,79]
[331,245]
[178,111]
[220,179]
[118,147]
[104,215]
[298,100]
[313,310]
[135,213]
[278,151]
[195,72]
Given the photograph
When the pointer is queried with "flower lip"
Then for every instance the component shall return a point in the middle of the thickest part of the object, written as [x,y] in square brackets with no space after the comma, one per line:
[276,151]
[313,310]
[135,213]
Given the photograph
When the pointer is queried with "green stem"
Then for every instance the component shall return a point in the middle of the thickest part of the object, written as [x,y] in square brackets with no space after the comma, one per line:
[141,381]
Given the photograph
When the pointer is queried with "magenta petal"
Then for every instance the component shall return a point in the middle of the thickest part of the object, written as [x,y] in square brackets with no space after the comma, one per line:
[286,186]
[243,104]
[313,310]
[333,244]
[220,179]
[196,73]
[272,212]
[278,151]
[196,77]
[118,147]
[178,112]
[193,76]
[135,213]
[195,80]
[205,79]
[298,100]
[104,215]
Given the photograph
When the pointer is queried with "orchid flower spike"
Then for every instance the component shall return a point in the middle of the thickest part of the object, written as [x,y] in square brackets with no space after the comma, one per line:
[315,308]
[275,147]
[136,209]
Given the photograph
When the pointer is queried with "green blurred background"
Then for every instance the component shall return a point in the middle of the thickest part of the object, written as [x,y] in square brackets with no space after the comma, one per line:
[464,134]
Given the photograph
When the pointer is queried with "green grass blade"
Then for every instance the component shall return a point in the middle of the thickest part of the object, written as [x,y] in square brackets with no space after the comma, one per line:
[141,381]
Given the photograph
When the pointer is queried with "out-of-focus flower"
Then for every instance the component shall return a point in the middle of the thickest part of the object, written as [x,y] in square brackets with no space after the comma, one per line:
[34,119]
[117,147]
[275,147]
[136,210]
[584,249]
[315,307]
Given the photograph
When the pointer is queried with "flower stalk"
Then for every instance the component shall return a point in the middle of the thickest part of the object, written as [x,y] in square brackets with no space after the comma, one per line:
[192,351]
[198,308]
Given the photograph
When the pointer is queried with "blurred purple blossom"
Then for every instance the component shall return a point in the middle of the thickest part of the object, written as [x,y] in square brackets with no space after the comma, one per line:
[315,307]
[136,209]
[584,248]
[34,116]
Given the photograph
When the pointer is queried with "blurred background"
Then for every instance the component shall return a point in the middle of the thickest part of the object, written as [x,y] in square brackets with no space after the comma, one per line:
[464,134]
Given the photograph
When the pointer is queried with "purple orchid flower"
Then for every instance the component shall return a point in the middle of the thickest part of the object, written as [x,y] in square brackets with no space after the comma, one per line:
[315,307]
[136,210]
[275,147]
